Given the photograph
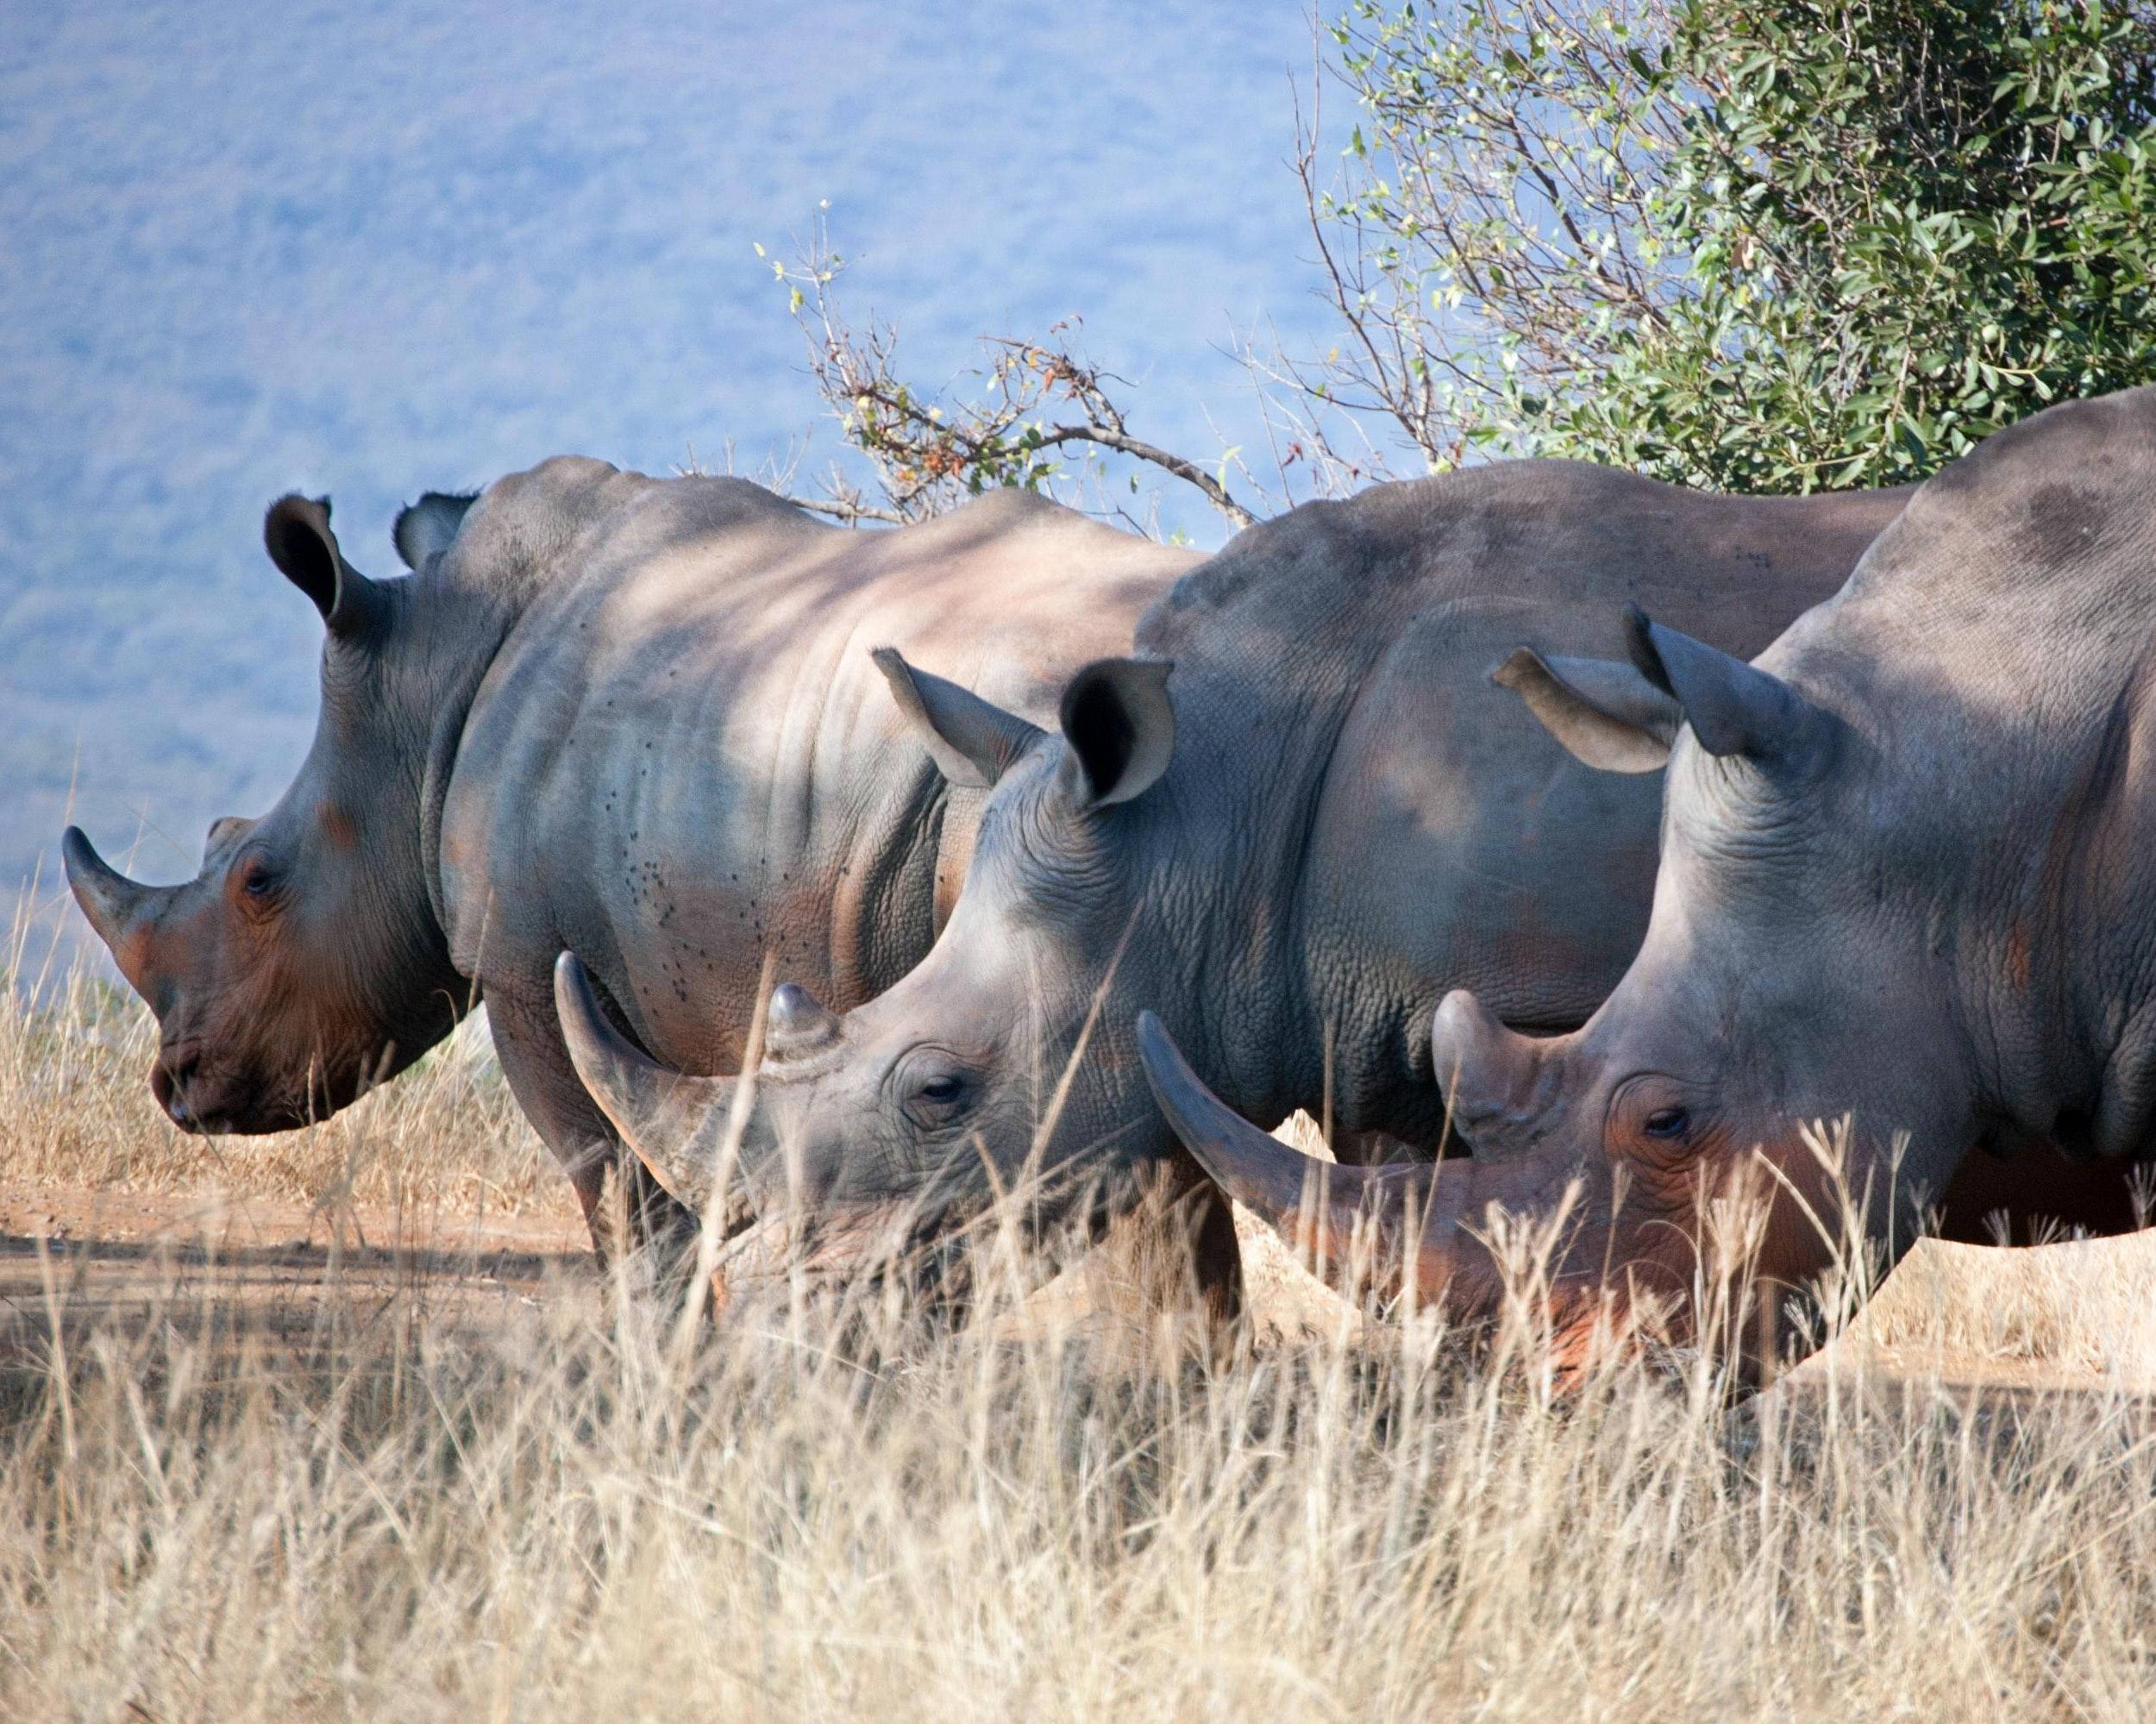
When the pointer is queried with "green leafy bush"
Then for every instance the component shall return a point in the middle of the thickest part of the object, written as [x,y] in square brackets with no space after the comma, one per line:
[1759,245]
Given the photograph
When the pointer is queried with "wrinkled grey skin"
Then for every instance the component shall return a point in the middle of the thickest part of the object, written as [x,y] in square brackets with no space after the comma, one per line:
[1906,876]
[1324,817]
[633,716]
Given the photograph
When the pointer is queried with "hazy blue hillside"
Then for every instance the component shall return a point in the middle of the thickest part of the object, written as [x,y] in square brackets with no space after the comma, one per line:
[250,247]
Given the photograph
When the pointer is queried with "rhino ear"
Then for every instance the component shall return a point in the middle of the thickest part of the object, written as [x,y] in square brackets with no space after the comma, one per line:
[1121,726]
[1735,709]
[224,832]
[1607,714]
[424,530]
[972,739]
[297,535]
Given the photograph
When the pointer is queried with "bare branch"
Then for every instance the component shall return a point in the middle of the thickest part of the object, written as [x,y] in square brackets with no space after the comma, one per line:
[848,508]
[1108,438]
[931,450]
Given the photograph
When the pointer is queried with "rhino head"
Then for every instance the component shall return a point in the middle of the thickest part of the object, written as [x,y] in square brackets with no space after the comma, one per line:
[1003,1060]
[305,962]
[1798,968]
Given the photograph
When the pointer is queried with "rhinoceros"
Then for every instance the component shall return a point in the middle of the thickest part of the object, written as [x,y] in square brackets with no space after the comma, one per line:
[1290,822]
[1907,880]
[615,711]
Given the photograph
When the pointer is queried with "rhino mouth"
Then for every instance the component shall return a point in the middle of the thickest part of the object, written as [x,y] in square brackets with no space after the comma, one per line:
[206,1100]
[185,1103]
[940,1250]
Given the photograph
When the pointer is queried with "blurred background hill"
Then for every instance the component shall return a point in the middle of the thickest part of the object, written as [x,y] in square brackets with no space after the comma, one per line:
[373,250]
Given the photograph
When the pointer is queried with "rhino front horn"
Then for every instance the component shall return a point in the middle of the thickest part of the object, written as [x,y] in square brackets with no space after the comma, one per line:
[671,1120]
[113,903]
[1362,1230]
[1316,1205]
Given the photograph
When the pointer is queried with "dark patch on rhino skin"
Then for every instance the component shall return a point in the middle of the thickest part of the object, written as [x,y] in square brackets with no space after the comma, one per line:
[2060,518]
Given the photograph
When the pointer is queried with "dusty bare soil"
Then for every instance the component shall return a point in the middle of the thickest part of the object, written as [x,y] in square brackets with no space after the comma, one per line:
[117,1258]
[2085,1312]
[342,1423]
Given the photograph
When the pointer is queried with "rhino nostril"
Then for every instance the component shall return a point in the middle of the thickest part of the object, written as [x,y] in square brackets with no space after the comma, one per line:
[168,1081]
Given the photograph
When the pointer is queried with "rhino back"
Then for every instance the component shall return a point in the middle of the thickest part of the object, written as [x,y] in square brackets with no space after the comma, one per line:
[684,757]
[2016,584]
[1997,640]
[1427,832]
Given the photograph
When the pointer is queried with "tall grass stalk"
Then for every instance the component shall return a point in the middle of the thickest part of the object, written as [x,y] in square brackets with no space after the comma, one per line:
[446,1500]
[818,1511]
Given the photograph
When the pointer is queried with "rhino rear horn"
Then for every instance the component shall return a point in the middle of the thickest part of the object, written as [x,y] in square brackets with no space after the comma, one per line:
[1735,709]
[665,1117]
[296,533]
[797,1022]
[1485,1068]
[973,741]
[1608,715]
[225,831]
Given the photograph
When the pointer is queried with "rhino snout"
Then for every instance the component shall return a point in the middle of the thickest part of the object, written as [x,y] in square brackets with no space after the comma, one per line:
[210,1099]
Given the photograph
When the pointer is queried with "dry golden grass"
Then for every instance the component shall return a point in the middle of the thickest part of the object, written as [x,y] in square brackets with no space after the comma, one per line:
[437,1495]
[75,1111]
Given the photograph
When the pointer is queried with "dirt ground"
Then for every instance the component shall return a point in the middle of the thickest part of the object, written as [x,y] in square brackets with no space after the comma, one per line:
[2082,1314]
[114,1258]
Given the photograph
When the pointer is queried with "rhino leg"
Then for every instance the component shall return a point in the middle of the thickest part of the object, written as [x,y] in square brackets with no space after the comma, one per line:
[536,1061]
[2041,1193]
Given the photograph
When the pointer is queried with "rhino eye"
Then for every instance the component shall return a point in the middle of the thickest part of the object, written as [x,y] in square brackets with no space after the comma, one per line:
[932,1087]
[1667,1122]
[258,879]
[935,1098]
